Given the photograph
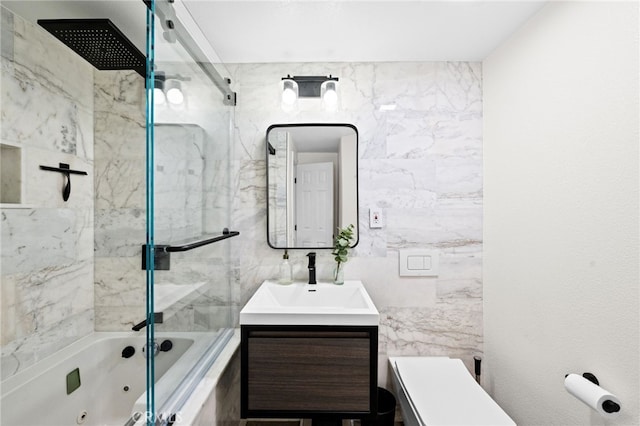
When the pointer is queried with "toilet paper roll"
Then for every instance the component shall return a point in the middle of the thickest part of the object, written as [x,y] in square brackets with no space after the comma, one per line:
[593,395]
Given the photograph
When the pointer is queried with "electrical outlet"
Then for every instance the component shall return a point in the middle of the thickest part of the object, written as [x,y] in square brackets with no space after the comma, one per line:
[375,218]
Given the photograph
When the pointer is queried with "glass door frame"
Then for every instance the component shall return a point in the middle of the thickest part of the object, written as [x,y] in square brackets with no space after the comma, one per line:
[150,249]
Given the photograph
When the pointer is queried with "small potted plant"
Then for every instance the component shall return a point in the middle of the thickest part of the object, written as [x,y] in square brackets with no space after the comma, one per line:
[341,251]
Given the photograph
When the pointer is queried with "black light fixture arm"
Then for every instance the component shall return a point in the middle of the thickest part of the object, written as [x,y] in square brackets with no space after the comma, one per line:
[309,86]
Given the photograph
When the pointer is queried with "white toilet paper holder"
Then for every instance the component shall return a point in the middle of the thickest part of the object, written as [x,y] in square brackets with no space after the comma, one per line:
[608,405]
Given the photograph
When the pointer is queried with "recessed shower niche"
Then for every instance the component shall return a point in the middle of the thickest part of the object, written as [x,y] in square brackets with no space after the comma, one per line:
[10,174]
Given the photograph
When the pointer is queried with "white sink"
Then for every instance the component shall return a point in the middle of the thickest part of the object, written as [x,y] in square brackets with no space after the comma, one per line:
[310,304]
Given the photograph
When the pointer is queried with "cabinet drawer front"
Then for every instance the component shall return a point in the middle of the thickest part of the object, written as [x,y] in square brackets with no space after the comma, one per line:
[309,373]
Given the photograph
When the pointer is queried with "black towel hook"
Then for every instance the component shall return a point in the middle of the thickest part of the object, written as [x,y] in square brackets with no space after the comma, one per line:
[66,172]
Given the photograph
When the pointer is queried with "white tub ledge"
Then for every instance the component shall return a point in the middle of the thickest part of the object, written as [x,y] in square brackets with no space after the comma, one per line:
[219,382]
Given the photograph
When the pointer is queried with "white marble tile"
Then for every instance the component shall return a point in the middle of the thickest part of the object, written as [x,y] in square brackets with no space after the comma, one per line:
[33,239]
[6,34]
[381,280]
[119,318]
[119,282]
[459,178]
[126,140]
[410,135]
[53,63]
[119,232]
[120,91]
[120,183]
[179,193]
[84,235]
[411,86]
[399,174]
[8,312]
[23,352]
[460,86]
[452,328]
[47,251]
[421,163]
[85,133]
[211,317]
[46,297]
[120,194]
[398,197]
[36,114]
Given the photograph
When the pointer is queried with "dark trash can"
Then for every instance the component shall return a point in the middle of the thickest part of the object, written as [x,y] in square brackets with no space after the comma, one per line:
[386,410]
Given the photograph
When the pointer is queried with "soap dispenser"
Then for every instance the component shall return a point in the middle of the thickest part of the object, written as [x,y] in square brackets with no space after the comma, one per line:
[286,275]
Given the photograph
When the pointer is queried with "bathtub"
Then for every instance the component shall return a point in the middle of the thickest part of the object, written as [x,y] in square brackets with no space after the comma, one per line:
[112,388]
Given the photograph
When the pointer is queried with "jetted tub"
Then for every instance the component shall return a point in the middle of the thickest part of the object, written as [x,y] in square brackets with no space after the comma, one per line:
[112,388]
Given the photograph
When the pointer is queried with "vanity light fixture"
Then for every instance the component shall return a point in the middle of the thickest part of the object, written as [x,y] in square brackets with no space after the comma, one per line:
[167,89]
[173,89]
[289,93]
[322,87]
[329,94]
[158,89]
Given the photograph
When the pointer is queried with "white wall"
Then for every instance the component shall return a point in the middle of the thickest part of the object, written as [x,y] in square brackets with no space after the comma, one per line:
[561,212]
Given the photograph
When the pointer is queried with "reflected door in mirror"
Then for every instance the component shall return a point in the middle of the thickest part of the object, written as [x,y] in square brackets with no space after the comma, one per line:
[314,212]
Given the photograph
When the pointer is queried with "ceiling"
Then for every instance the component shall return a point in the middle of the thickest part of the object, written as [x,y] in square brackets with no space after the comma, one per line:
[270,31]
[357,30]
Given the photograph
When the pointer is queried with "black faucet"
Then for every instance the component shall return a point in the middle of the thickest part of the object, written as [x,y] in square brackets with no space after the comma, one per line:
[312,267]
[157,319]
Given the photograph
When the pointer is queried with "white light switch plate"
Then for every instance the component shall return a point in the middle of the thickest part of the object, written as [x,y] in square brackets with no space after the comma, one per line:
[375,218]
[418,263]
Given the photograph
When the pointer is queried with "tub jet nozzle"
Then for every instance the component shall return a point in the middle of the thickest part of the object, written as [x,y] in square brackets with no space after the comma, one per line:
[128,352]
[166,346]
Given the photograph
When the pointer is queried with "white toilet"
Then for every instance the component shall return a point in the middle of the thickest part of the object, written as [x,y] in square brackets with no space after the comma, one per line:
[440,391]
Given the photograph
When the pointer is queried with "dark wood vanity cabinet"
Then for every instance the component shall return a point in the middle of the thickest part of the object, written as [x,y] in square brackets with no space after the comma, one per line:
[308,371]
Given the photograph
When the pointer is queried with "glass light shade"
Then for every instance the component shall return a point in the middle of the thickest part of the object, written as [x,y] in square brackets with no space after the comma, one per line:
[158,96]
[329,94]
[289,93]
[158,90]
[174,92]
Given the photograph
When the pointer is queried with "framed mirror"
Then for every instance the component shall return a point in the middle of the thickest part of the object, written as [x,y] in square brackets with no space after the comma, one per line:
[312,184]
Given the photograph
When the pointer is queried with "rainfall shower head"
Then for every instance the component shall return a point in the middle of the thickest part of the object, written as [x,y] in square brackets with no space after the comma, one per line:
[98,41]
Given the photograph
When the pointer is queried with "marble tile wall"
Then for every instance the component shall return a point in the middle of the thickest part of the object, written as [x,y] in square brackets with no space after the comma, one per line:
[120,209]
[64,264]
[205,136]
[421,163]
[47,243]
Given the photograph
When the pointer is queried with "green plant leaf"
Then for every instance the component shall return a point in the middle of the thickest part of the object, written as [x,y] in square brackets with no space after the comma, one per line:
[341,243]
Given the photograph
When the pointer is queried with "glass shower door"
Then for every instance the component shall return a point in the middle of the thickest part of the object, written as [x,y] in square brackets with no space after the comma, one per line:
[190,119]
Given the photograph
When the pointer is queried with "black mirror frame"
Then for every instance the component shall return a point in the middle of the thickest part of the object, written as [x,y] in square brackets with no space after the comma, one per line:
[269,148]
